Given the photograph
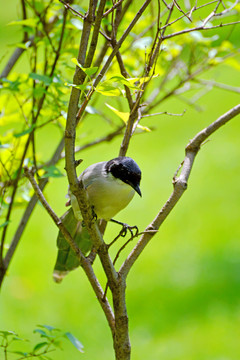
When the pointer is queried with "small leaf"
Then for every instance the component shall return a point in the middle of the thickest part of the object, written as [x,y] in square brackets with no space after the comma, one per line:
[75,341]
[39,346]
[123,115]
[7,333]
[25,132]
[41,332]
[48,327]
[51,171]
[44,78]
[91,70]
[75,61]
[19,353]
[122,80]
[88,71]
[108,90]
[1,226]
[26,22]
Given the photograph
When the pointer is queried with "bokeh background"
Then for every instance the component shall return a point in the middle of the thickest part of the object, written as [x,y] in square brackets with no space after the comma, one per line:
[183,294]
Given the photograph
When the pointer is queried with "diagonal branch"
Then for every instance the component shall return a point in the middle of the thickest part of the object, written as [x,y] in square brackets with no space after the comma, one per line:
[180,185]
[84,262]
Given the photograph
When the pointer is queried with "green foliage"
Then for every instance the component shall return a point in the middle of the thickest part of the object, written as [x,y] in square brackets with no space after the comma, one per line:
[41,350]
[183,296]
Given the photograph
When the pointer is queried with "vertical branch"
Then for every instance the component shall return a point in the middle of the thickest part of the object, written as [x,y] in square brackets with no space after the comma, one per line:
[19,171]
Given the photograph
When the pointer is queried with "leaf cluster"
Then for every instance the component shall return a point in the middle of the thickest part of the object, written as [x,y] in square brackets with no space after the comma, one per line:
[51,340]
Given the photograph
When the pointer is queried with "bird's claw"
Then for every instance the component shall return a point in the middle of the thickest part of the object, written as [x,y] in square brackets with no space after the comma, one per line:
[126,228]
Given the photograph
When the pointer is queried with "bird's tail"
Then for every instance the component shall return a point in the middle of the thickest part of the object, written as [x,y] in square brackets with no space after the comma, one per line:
[66,258]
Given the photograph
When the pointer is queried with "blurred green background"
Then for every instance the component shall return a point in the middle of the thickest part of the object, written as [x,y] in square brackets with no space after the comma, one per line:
[183,295]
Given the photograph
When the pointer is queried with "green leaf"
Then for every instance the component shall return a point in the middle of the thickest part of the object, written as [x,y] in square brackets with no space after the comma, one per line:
[80,87]
[88,71]
[108,90]
[25,132]
[19,353]
[75,341]
[75,61]
[7,333]
[44,78]
[11,85]
[51,171]
[91,70]
[122,80]
[48,327]
[41,332]
[26,22]
[123,115]
[1,226]
[39,346]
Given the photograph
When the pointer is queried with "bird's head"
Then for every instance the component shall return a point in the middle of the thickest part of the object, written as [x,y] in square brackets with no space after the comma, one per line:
[127,170]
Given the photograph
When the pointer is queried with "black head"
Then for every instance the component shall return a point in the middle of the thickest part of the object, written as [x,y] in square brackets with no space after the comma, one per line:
[125,169]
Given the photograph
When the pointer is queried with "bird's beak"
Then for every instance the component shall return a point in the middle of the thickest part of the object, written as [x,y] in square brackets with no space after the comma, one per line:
[137,189]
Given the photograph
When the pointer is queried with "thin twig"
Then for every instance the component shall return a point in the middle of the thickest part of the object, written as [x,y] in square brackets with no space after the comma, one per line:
[199,28]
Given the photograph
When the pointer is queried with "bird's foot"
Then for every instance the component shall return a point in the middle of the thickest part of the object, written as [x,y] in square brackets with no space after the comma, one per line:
[126,228]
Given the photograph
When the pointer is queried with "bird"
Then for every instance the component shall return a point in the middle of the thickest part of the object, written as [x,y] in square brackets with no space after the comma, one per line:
[110,186]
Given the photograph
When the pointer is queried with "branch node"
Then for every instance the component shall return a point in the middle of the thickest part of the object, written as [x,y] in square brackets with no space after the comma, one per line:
[78,162]
[192,147]
[68,134]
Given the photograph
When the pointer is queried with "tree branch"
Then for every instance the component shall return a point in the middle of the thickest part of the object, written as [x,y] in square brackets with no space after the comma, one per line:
[84,262]
[180,185]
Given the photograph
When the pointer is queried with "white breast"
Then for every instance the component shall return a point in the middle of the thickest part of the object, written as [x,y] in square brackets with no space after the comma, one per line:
[107,194]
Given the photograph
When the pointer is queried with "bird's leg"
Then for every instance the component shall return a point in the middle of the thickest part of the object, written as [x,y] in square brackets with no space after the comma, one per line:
[125,228]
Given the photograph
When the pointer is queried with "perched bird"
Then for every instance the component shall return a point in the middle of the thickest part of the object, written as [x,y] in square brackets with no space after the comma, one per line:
[110,186]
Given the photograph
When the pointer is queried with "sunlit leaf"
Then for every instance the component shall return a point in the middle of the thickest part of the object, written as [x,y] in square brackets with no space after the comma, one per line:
[234,63]
[26,22]
[123,115]
[88,71]
[108,90]
[122,80]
